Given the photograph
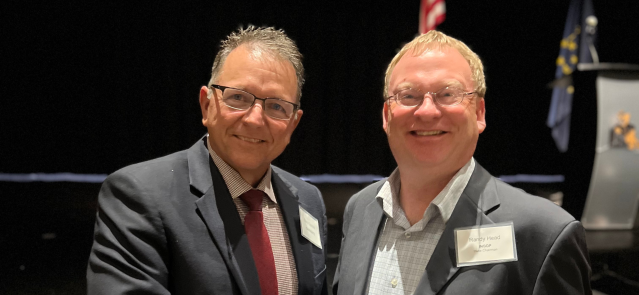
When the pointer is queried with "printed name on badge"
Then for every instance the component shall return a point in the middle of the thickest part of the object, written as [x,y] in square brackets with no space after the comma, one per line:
[485,244]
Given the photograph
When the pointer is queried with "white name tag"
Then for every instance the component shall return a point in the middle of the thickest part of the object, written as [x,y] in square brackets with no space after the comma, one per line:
[310,228]
[485,244]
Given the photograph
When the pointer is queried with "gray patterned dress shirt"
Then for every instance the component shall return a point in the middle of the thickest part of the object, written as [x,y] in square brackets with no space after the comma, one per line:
[403,251]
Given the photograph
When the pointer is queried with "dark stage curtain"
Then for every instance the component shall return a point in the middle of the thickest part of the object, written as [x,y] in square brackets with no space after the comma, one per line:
[92,86]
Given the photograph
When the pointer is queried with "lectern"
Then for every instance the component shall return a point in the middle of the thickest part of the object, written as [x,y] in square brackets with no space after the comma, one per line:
[612,200]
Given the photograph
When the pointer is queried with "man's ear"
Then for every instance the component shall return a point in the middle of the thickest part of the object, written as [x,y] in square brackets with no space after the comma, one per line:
[293,124]
[204,103]
[386,115]
[296,118]
[480,112]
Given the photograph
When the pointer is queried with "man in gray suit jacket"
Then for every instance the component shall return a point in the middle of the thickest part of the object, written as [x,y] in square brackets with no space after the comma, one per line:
[440,223]
[218,218]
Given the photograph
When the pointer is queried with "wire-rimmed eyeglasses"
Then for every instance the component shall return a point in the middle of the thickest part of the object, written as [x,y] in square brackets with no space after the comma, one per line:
[447,96]
[241,100]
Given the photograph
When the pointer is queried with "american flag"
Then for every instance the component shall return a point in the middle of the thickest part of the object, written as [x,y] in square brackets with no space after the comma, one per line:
[431,14]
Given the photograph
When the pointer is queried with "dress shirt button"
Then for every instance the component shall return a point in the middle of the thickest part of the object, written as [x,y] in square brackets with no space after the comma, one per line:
[394,283]
[407,234]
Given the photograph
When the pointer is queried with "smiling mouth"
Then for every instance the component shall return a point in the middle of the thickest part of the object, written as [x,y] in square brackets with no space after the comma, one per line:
[254,140]
[427,133]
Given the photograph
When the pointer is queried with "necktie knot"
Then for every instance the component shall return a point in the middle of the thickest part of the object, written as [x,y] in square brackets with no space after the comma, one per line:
[253,199]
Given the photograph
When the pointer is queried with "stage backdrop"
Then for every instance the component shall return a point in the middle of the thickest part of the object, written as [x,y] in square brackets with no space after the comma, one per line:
[92,86]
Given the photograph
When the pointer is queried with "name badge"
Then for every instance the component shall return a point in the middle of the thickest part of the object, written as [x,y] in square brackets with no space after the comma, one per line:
[485,244]
[310,228]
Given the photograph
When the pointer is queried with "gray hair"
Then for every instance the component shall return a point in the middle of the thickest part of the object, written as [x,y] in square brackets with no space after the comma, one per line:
[266,39]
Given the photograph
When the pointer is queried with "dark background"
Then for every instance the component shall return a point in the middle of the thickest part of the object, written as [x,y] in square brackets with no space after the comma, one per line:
[92,86]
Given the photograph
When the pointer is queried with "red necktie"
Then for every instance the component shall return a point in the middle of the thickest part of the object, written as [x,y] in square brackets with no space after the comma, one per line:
[259,242]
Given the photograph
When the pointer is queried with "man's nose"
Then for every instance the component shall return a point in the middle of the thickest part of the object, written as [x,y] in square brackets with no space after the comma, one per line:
[255,114]
[428,108]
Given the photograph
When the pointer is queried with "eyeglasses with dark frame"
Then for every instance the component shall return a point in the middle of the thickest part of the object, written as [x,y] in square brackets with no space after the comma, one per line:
[241,100]
[447,96]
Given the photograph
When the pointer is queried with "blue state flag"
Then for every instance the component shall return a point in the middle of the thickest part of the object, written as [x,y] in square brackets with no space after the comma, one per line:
[576,47]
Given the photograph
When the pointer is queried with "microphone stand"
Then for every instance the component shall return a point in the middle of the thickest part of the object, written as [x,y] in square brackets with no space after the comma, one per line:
[591,29]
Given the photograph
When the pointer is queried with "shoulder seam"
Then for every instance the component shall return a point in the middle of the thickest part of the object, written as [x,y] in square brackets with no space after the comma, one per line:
[550,248]
[154,206]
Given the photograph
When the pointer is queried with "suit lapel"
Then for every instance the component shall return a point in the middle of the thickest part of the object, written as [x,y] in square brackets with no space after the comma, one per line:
[478,199]
[289,203]
[373,219]
[217,210]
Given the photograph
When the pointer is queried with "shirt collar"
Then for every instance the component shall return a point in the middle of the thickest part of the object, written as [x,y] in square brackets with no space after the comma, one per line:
[445,201]
[234,181]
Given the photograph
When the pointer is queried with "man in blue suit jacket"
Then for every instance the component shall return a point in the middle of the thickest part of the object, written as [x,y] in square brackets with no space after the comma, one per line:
[401,235]
[174,225]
